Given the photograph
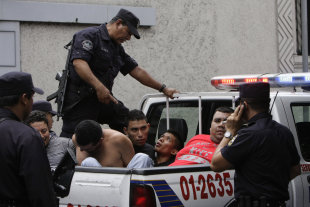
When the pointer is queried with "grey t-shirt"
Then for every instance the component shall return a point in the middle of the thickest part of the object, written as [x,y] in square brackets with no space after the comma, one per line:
[56,149]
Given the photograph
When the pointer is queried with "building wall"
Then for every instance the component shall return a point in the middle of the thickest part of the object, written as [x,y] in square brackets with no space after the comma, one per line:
[191,42]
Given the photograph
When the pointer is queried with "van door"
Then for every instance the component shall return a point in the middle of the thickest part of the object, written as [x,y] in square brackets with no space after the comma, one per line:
[298,115]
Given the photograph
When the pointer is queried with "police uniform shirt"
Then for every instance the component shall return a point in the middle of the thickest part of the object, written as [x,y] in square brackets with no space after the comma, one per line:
[25,174]
[105,57]
[262,153]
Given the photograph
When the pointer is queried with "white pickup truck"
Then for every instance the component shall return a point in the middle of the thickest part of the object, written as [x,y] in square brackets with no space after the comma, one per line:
[193,185]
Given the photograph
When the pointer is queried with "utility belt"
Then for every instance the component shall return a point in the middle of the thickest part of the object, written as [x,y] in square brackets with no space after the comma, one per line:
[13,203]
[75,94]
[83,90]
[248,201]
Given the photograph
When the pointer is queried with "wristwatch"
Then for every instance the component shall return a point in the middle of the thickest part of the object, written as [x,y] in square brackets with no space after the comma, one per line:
[228,135]
[163,86]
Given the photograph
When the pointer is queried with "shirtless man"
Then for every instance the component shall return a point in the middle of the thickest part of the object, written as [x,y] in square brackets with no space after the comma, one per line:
[97,147]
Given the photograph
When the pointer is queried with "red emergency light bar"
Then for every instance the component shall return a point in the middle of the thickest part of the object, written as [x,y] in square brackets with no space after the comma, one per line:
[275,80]
[254,80]
[228,81]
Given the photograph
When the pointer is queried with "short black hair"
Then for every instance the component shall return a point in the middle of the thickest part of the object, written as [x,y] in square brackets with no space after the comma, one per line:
[179,144]
[87,132]
[224,109]
[36,116]
[135,115]
[257,104]
[13,99]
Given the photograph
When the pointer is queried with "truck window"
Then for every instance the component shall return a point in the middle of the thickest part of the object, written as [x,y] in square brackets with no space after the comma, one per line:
[182,114]
[186,110]
[301,114]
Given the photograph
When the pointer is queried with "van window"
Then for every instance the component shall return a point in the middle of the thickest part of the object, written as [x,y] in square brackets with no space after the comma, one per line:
[301,114]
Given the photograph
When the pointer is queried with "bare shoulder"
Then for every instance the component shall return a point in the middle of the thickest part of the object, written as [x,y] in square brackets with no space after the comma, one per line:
[74,140]
[115,136]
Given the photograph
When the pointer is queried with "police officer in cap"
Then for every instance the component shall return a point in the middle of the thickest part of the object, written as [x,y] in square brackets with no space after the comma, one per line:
[262,151]
[97,57]
[25,177]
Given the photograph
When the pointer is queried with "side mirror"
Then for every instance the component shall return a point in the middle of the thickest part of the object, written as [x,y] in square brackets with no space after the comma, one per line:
[63,174]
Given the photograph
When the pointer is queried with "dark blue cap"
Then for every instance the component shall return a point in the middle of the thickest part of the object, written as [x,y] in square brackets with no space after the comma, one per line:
[17,83]
[259,91]
[44,106]
[131,21]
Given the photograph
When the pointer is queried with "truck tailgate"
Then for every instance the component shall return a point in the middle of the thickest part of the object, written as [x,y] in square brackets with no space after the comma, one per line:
[194,185]
[99,187]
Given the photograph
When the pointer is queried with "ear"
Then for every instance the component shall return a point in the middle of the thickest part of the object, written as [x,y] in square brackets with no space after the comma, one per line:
[125,130]
[246,105]
[174,152]
[23,99]
[119,22]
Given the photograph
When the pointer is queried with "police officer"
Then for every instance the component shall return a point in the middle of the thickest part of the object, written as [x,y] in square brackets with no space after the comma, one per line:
[96,59]
[262,151]
[25,177]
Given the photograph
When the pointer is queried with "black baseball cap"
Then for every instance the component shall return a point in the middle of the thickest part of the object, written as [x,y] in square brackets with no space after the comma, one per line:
[130,20]
[44,106]
[17,83]
[258,91]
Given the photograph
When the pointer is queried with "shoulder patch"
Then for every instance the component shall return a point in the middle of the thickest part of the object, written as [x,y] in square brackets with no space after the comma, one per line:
[232,140]
[87,45]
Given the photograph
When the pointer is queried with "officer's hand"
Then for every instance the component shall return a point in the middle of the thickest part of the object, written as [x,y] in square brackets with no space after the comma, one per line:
[169,92]
[104,95]
[234,121]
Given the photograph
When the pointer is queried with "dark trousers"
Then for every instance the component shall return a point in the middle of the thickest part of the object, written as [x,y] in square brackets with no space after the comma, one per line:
[90,108]
[13,203]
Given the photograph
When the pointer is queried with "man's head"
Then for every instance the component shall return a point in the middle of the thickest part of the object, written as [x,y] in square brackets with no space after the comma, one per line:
[88,134]
[16,91]
[137,127]
[217,129]
[46,107]
[255,97]
[169,143]
[38,120]
[123,25]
